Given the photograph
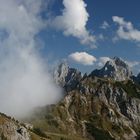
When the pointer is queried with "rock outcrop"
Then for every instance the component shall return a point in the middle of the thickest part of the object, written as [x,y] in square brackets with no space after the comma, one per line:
[12,130]
[67,77]
[60,74]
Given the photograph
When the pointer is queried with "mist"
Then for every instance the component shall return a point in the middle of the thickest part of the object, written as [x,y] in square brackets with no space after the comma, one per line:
[25,82]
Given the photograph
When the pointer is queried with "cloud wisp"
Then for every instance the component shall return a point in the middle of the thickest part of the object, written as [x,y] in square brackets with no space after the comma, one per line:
[24,79]
[73,22]
[102,61]
[126,30]
[105,25]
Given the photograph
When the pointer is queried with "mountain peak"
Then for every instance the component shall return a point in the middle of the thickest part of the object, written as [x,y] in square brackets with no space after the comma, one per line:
[116,69]
[120,62]
[66,77]
[61,72]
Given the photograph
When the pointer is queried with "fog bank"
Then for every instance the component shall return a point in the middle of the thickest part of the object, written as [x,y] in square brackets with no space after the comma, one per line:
[24,79]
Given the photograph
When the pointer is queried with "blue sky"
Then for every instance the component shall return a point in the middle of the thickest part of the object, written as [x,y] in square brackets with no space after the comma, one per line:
[59,46]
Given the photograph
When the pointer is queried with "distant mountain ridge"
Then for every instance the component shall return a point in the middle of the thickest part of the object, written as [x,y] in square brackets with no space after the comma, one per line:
[116,69]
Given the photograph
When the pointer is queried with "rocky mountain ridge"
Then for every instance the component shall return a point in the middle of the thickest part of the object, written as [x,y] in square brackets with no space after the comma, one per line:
[97,107]
[116,69]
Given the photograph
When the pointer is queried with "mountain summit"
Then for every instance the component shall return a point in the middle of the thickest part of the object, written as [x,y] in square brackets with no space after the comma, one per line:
[116,69]
[67,77]
[60,73]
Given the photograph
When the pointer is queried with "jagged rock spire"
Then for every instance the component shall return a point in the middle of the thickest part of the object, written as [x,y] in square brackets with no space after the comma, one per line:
[66,77]
[60,73]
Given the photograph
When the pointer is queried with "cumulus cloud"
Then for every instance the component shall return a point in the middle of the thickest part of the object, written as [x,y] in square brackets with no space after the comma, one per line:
[126,30]
[82,58]
[24,79]
[73,21]
[105,25]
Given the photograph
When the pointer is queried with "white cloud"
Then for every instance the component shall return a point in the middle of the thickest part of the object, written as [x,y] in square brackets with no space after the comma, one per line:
[82,58]
[73,21]
[24,79]
[101,37]
[126,30]
[132,64]
[102,61]
[105,25]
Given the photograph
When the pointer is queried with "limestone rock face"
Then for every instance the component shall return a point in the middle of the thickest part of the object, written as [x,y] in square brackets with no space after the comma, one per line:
[10,130]
[116,69]
[60,73]
[67,77]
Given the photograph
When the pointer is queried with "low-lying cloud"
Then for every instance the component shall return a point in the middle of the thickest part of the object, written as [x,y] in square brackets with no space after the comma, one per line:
[24,79]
